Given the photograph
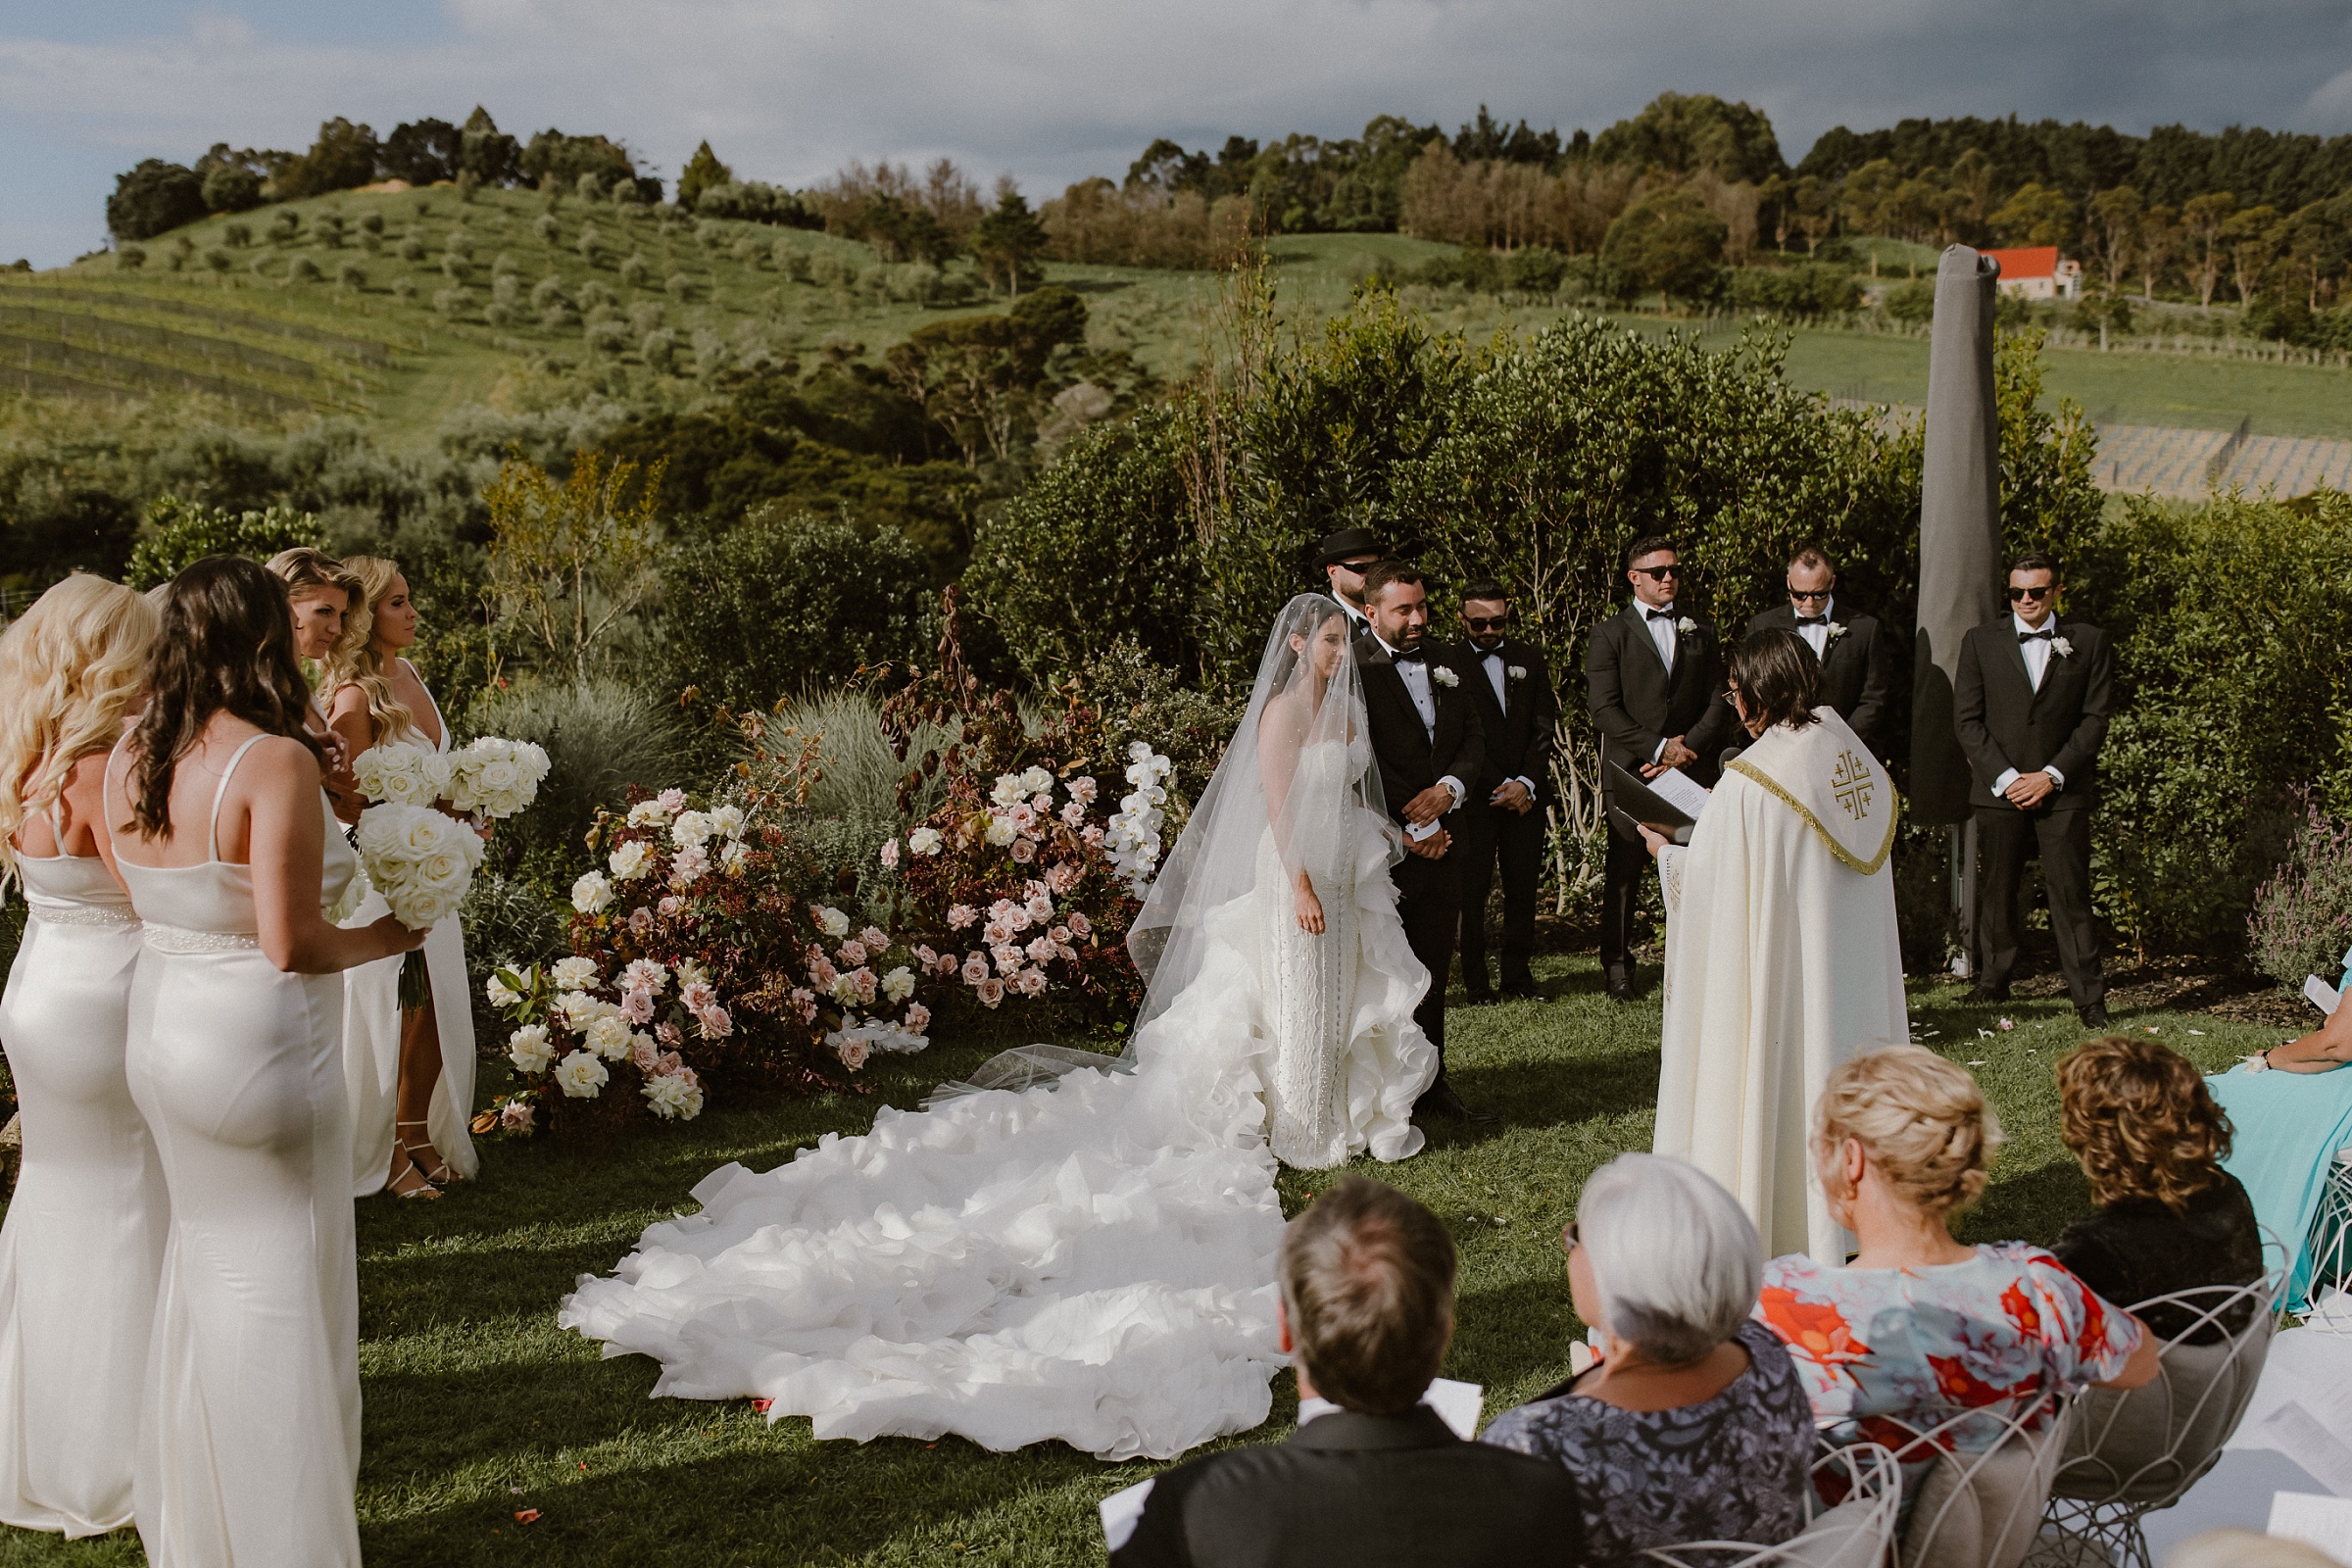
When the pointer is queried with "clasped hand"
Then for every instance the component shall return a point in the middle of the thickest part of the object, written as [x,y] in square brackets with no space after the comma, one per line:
[1428,806]
[1512,796]
[1676,754]
[2029,790]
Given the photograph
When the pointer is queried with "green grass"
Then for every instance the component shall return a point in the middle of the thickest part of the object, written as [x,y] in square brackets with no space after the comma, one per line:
[477,1407]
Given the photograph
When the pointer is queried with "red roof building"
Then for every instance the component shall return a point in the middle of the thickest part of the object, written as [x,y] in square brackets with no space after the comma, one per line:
[2038,273]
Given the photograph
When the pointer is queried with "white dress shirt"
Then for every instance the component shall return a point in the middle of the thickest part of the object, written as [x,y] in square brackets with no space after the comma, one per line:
[1498,675]
[1818,637]
[1356,623]
[1414,673]
[2035,651]
[1660,621]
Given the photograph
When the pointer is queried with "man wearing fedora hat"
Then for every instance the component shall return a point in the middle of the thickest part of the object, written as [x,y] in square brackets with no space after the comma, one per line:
[1344,558]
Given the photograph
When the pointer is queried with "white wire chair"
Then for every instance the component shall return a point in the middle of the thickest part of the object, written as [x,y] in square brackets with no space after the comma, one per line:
[2329,1245]
[1978,1479]
[1857,1532]
[2130,1453]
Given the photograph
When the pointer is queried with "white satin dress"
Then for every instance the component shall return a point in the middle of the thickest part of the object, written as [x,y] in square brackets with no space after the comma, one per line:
[1091,1261]
[372,1043]
[250,1451]
[85,1237]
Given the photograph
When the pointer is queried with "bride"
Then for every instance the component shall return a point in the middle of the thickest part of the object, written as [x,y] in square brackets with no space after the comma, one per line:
[1088,1259]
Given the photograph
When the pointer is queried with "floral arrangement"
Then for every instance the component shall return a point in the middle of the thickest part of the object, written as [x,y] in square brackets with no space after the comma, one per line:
[402,773]
[1135,830]
[491,778]
[697,964]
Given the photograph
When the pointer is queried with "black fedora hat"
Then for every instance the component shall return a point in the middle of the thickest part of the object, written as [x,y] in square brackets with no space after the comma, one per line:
[1349,542]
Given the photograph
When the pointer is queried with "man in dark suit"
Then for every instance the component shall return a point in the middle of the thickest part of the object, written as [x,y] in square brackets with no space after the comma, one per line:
[1367,1307]
[1519,719]
[1655,676]
[1858,661]
[2030,703]
[1427,745]
[1343,558]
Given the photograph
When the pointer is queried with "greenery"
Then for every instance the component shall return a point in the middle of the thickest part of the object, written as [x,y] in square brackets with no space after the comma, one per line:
[601,737]
[179,533]
[2302,922]
[478,1407]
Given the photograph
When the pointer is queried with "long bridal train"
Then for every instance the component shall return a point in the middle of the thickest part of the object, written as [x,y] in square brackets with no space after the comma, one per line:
[1090,1259]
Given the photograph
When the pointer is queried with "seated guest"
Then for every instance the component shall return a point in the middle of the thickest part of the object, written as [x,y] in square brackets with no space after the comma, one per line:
[2169,1219]
[1367,1308]
[2292,1111]
[1917,1328]
[1694,1426]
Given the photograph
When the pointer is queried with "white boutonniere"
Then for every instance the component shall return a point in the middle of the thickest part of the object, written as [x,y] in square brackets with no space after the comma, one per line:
[2062,648]
[1685,625]
[1835,630]
[1444,676]
[1515,671]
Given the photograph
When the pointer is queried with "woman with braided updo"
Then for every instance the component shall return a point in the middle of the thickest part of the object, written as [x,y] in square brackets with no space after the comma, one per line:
[1918,1327]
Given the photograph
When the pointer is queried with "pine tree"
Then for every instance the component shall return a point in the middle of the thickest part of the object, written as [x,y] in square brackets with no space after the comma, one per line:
[703,170]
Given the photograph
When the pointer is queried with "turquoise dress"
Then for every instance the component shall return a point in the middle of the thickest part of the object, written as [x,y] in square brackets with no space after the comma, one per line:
[2288,1126]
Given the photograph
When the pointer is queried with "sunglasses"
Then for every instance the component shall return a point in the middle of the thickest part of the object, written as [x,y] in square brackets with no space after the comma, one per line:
[2043,592]
[1484,622]
[1797,593]
[1359,568]
[1657,574]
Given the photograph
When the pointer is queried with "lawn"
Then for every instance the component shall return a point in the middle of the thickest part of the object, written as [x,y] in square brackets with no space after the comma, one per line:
[478,1407]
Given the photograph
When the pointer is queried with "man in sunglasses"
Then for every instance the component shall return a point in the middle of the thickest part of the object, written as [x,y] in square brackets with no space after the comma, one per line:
[1343,558]
[1509,683]
[2030,703]
[1654,674]
[1857,663]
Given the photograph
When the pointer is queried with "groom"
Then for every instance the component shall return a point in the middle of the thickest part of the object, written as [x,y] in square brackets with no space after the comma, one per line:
[1427,742]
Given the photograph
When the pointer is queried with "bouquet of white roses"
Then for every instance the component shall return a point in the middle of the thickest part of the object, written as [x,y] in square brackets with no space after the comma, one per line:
[402,773]
[493,777]
[422,861]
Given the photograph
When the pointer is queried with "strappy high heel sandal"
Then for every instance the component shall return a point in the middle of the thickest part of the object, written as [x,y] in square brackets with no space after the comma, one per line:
[408,1178]
[421,1150]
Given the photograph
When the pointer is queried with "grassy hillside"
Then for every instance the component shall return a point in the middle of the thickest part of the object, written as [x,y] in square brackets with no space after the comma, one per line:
[402,307]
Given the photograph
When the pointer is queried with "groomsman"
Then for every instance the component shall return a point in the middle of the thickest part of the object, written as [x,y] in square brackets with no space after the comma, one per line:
[1427,743]
[1655,676]
[1858,662]
[2031,702]
[1510,685]
[1344,558]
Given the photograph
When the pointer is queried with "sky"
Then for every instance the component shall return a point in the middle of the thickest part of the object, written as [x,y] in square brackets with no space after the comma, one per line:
[1054,90]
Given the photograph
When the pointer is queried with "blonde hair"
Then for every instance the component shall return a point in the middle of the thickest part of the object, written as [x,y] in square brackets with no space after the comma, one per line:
[305,571]
[355,659]
[69,669]
[1921,1121]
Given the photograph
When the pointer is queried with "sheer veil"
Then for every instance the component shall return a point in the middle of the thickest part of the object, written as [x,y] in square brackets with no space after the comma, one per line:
[1307,694]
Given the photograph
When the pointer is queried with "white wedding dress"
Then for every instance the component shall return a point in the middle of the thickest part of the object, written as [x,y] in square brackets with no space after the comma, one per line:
[372,1020]
[1091,1261]
[250,1448]
[84,1237]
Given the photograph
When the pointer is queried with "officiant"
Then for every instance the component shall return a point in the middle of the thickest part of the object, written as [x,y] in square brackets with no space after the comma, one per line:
[1780,953]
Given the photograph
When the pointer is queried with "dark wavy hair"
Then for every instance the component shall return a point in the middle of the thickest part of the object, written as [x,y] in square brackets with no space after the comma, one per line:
[1778,676]
[226,646]
[2139,1118]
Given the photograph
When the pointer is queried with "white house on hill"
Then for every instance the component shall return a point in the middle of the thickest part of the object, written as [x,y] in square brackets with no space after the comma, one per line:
[2037,273]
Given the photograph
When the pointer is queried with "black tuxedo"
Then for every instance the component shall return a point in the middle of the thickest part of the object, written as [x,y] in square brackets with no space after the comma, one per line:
[1356,1488]
[1520,733]
[1411,760]
[2003,724]
[1358,625]
[1636,702]
[1857,670]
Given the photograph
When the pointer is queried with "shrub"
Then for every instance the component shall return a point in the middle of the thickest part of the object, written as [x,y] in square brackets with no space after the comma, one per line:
[452,302]
[1912,303]
[601,738]
[608,338]
[371,222]
[660,349]
[231,188]
[131,257]
[179,533]
[558,315]
[1805,292]
[550,231]
[2302,922]
[786,601]
[304,270]
[636,271]
[853,802]
[548,291]
[403,287]
[511,922]
[412,249]
[680,287]
[153,198]
[456,267]
[349,275]
[237,235]
[285,226]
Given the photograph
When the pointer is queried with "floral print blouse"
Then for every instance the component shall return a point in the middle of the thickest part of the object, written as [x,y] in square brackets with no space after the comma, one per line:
[1875,1344]
[1731,1468]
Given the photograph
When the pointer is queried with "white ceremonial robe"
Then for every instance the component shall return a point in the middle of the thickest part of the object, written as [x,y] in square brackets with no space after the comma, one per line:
[1781,962]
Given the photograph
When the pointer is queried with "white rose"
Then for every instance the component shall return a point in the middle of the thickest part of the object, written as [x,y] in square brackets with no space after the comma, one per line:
[1002,831]
[691,827]
[924,841]
[727,821]
[528,1050]
[731,857]
[630,862]
[1515,671]
[1444,676]
[1685,625]
[497,991]
[691,973]
[1009,790]
[608,1037]
[831,921]
[573,974]
[419,859]
[591,893]
[673,1097]
[582,1076]
[1036,781]
[576,1008]
[899,984]
[646,812]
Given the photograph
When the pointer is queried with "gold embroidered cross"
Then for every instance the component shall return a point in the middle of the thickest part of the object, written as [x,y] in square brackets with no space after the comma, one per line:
[1851,782]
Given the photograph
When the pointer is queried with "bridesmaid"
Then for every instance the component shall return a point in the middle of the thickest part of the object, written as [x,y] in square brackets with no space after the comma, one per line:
[410,1074]
[250,1448]
[326,597]
[84,1235]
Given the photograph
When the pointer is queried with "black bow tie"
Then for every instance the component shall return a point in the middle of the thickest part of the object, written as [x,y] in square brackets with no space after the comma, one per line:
[1812,620]
[2042,635]
[1658,614]
[1409,656]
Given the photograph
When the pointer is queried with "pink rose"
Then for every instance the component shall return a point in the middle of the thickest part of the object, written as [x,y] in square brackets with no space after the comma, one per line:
[637,1005]
[852,1052]
[670,905]
[947,963]
[803,1003]
[641,920]
[669,1064]
[672,801]
[1024,850]
[928,959]
[687,866]
[852,952]
[919,1018]
[643,1054]
[1041,951]
[1041,908]
[874,938]
[1079,923]
[697,996]
[1002,909]
[990,991]
[865,981]
[1061,878]
[1060,934]
[1082,791]
[515,1116]
[1009,959]
[1031,982]
[975,970]
[1073,814]
[960,915]
[1092,836]
[996,933]
[821,970]
[1042,801]
[890,854]
[715,1021]
[1024,818]
[667,1033]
